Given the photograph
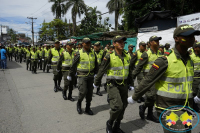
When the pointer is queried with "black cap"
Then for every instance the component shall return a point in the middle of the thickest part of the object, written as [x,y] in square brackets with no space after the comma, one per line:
[57,42]
[97,43]
[131,45]
[196,44]
[85,40]
[185,30]
[161,46]
[154,38]
[80,43]
[142,43]
[167,44]
[118,38]
[70,43]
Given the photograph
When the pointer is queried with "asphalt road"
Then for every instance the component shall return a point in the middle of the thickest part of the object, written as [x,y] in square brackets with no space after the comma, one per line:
[28,104]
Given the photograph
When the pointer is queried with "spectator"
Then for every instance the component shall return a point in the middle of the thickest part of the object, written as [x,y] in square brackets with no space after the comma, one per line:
[3,57]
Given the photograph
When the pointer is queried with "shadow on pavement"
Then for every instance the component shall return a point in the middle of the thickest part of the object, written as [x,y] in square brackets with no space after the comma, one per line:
[100,108]
[138,124]
[13,64]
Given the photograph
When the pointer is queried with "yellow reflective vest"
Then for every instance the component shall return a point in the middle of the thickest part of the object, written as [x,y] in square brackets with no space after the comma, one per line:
[68,59]
[87,62]
[151,58]
[139,53]
[176,82]
[196,61]
[34,55]
[118,70]
[56,54]
[28,53]
[99,56]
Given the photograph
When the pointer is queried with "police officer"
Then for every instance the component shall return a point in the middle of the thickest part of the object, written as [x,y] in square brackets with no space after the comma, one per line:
[15,52]
[28,58]
[163,74]
[40,57]
[100,55]
[34,59]
[45,55]
[85,61]
[167,47]
[64,65]
[54,55]
[79,46]
[10,52]
[161,49]
[19,52]
[135,60]
[195,56]
[111,48]
[145,62]
[130,49]
[117,65]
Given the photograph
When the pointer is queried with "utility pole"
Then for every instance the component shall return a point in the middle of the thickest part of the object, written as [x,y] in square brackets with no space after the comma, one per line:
[32,28]
[1,34]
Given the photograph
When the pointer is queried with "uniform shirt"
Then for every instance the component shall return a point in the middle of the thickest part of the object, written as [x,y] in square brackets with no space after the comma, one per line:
[61,59]
[104,53]
[143,61]
[77,60]
[3,54]
[196,74]
[155,74]
[50,55]
[105,66]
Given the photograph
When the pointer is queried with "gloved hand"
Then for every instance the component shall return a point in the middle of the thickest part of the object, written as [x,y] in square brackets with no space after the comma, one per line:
[76,74]
[104,75]
[130,100]
[48,64]
[42,59]
[58,70]
[38,60]
[95,75]
[131,88]
[69,78]
[196,99]
[95,86]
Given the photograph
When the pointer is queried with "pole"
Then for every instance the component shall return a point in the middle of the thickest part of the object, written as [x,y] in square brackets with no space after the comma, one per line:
[32,28]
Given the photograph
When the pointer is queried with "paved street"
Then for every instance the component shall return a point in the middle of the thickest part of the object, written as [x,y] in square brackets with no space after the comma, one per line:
[28,104]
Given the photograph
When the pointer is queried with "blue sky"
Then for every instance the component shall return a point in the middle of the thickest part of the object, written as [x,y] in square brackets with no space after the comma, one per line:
[14,13]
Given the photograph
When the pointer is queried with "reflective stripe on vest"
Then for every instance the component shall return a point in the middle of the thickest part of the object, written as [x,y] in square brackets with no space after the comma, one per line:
[19,50]
[34,55]
[139,54]
[118,70]
[28,53]
[177,80]
[99,56]
[196,61]
[87,62]
[151,58]
[55,54]
[68,59]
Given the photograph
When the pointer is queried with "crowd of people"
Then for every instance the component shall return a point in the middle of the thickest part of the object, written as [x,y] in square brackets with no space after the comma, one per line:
[159,71]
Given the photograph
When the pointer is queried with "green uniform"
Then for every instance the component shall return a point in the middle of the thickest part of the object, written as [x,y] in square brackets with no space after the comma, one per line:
[34,60]
[28,59]
[87,66]
[196,82]
[15,52]
[64,64]
[145,63]
[54,55]
[10,53]
[164,75]
[19,52]
[45,54]
[40,59]
[119,76]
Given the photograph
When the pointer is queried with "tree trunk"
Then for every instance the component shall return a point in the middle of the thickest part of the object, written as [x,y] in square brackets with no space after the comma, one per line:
[182,6]
[74,24]
[116,18]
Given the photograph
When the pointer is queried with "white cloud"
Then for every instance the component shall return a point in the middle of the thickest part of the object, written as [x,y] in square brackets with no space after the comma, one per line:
[14,13]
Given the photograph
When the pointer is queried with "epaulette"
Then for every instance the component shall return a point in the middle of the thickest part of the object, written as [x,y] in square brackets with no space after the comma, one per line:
[110,52]
[134,54]
[146,50]
[168,52]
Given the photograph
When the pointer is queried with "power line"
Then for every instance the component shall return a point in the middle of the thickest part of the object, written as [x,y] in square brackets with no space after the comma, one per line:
[40,8]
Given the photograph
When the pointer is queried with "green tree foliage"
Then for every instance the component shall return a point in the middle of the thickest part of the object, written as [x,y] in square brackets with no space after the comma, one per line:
[54,30]
[138,8]
[115,6]
[78,8]
[58,8]
[13,35]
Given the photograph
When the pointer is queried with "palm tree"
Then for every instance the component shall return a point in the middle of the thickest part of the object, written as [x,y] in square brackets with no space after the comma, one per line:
[115,6]
[93,10]
[58,8]
[78,8]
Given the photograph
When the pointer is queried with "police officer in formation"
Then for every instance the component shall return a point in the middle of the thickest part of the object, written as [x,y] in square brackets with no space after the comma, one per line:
[85,61]
[64,65]
[10,52]
[28,58]
[163,75]
[117,65]
[45,54]
[34,59]
[54,55]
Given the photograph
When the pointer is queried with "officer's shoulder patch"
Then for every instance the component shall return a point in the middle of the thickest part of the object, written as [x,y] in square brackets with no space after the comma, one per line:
[141,58]
[146,50]
[168,52]
[155,66]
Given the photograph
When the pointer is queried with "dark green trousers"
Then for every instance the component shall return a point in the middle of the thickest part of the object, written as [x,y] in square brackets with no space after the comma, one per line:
[85,88]
[57,75]
[34,65]
[28,64]
[67,84]
[118,95]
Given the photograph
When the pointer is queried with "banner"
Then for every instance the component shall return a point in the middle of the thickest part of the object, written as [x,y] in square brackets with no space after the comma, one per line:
[189,19]
[148,29]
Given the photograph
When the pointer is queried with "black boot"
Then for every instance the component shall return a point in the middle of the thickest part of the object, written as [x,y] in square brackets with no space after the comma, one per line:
[55,86]
[88,110]
[59,88]
[98,92]
[142,111]
[64,95]
[150,115]
[79,110]
[55,89]
[109,127]
[139,101]
[116,127]
[70,97]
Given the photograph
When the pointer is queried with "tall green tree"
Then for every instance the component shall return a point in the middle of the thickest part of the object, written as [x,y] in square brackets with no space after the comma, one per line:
[58,8]
[78,8]
[115,6]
